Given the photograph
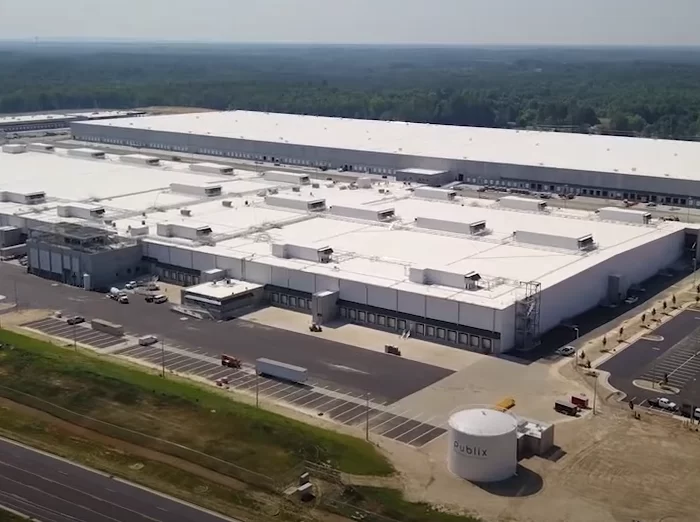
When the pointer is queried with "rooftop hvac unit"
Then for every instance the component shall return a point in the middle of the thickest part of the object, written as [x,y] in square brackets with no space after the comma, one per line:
[296,189]
[315,185]
[227,203]
[272,190]
[185,212]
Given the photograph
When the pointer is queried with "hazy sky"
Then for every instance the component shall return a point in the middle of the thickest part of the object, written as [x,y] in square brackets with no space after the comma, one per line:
[562,22]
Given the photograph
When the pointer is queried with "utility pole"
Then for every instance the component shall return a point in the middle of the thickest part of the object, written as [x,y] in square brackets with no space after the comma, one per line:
[367,417]
[75,342]
[14,281]
[162,357]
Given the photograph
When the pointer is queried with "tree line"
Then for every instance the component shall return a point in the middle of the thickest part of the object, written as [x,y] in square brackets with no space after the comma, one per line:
[641,92]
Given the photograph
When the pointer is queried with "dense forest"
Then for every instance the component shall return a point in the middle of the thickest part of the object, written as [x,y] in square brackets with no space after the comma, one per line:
[636,92]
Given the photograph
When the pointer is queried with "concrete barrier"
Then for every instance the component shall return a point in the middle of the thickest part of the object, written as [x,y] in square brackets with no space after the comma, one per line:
[100,325]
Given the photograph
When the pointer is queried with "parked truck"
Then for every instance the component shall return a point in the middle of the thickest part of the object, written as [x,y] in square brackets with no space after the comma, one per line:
[118,295]
[280,370]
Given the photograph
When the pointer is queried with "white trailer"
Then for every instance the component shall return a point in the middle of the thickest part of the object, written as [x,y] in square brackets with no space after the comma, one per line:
[280,370]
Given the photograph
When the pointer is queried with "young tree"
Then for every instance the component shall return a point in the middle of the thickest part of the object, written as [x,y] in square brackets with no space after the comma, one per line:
[644,318]
[673,299]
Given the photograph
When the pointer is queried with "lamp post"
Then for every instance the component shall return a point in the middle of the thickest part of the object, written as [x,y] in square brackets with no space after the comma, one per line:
[257,389]
[162,358]
[367,417]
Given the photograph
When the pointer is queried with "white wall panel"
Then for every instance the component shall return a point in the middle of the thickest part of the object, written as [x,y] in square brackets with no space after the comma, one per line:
[56,262]
[257,272]
[382,297]
[326,283]
[75,264]
[505,325]
[442,309]
[33,257]
[410,303]
[353,291]
[279,276]
[180,257]
[589,288]
[66,262]
[302,281]
[233,266]
[476,316]
[44,260]
[203,260]
[159,252]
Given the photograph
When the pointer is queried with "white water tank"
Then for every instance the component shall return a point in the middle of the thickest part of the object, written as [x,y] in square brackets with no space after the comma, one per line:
[483,445]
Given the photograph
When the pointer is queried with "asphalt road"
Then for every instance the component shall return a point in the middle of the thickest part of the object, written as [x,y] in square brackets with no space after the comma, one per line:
[640,358]
[54,490]
[356,369]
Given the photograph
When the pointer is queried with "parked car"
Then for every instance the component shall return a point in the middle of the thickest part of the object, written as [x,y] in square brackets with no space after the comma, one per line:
[663,403]
[131,285]
[566,351]
[160,298]
[75,320]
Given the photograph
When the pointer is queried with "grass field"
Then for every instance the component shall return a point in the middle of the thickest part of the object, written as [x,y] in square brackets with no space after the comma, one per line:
[176,411]
[6,516]
[233,501]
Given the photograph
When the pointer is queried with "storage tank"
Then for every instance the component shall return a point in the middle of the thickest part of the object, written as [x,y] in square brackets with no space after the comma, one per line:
[483,445]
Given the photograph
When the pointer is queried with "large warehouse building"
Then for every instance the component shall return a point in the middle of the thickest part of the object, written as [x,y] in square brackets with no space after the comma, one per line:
[635,169]
[37,122]
[476,274]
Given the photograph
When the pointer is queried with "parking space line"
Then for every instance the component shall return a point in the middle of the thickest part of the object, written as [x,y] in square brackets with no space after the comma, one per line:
[201,366]
[194,363]
[285,388]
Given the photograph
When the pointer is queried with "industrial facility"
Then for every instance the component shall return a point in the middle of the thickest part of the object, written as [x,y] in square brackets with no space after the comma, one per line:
[480,275]
[38,122]
[634,169]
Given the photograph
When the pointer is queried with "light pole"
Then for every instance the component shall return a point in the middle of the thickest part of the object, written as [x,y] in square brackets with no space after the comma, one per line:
[595,393]
[162,358]
[367,417]
[75,342]
[257,389]
[695,267]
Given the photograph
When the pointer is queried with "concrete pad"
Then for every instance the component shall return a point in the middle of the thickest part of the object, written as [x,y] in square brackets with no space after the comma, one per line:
[534,387]
[450,358]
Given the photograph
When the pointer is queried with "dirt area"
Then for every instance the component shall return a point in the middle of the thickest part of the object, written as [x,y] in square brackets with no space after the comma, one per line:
[604,472]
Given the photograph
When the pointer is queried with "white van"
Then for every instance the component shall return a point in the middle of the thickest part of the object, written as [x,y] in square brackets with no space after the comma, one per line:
[148,340]
[160,298]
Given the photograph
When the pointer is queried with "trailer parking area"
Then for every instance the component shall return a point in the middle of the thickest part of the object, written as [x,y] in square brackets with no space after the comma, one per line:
[80,333]
[340,405]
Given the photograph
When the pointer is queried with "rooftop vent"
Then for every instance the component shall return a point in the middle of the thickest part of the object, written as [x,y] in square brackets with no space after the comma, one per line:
[435,193]
[565,242]
[305,252]
[519,203]
[227,203]
[185,212]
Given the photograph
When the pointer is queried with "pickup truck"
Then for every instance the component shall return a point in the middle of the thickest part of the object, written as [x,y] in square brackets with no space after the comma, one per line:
[663,403]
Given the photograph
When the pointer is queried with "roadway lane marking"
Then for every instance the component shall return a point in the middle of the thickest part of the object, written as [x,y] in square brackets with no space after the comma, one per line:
[153,492]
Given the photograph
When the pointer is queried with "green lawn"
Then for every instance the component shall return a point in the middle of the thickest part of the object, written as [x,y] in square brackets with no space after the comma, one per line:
[237,435]
[239,502]
[6,516]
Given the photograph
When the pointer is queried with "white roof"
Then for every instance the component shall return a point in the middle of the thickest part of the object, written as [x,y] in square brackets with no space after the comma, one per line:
[32,118]
[366,251]
[483,422]
[222,289]
[644,157]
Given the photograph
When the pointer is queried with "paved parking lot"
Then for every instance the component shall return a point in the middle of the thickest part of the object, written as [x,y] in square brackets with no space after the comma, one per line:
[341,405]
[82,333]
[681,363]
[672,349]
